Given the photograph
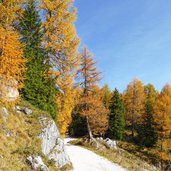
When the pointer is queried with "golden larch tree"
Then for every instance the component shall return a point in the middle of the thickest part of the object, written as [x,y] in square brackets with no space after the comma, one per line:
[12,63]
[62,42]
[106,95]
[163,121]
[10,10]
[134,100]
[99,120]
[90,103]
[66,102]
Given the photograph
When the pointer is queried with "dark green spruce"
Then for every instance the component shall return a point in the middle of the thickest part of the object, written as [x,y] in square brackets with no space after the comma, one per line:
[39,86]
[116,117]
[78,126]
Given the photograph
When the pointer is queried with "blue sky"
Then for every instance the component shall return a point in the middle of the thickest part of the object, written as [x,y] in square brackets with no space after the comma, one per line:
[129,39]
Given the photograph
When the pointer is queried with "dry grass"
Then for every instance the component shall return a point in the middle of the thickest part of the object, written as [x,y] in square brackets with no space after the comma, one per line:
[18,139]
[18,134]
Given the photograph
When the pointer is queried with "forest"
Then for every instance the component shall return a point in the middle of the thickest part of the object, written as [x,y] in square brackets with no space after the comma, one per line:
[39,49]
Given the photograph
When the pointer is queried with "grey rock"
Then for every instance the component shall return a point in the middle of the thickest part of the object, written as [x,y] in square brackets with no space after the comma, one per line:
[52,145]
[8,89]
[18,108]
[49,135]
[27,111]
[112,144]
[37,163]
[59,154]
[4,112]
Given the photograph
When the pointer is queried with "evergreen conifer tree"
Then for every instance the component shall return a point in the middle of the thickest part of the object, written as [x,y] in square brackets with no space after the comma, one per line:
[78,126]
[116,117]
[39,85]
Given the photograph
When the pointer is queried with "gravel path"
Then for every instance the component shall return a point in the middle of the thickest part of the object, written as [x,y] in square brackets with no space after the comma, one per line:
[86,160]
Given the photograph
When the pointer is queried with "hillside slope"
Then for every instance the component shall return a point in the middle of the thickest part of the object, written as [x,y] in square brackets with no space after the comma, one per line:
[28,134]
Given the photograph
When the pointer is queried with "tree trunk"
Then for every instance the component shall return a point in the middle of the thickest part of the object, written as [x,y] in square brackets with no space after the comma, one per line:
[89,129]
[92,139]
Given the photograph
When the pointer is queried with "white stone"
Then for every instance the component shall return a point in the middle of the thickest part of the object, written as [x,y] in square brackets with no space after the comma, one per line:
[49,135]
[52,144]
[12,94]
[59,154]
[8,89]
[18,108]
[111,143]
[37,163]
[4,113]
[27,111]
[101,138]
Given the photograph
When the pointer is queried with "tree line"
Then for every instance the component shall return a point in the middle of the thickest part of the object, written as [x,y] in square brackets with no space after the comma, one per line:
[140,114]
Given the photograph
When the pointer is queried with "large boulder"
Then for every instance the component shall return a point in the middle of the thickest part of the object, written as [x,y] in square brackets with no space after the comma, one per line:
[8,89]
[52,145]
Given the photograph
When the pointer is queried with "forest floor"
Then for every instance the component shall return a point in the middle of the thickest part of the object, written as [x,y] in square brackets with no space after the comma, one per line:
[86,160]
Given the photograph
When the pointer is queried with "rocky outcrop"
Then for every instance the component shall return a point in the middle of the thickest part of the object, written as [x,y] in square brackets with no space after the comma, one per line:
[25,118]
[52,145]
[8,89]
[37,163]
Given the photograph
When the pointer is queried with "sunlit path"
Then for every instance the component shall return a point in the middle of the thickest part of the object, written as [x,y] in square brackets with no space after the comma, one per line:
[85,160]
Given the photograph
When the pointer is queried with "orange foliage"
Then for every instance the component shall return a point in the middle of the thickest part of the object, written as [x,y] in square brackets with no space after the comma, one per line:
[9,11]
[62,42]
[88,71]
[92,106]
[12,63]
[163,121]
[66,102]
[134,100]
